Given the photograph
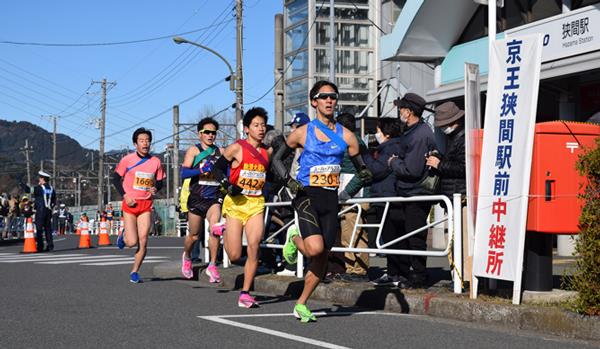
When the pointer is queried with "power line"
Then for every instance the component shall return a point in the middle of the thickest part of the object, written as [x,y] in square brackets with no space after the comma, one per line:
[292,60]
[103,43]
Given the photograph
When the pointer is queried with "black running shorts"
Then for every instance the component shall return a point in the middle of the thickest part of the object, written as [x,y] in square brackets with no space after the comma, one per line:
[317,210]
[200,206]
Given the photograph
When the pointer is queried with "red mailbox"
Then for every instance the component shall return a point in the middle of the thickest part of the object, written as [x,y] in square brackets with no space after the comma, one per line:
[553,204]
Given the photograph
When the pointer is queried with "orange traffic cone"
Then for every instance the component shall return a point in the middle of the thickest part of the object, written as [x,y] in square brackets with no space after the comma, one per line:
[29,245]
[103,239]
[84,238]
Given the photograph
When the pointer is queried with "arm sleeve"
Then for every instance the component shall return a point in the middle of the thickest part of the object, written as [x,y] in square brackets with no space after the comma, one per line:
[118,183]
[220,168]
[278,167]
[159,184]
[187,172]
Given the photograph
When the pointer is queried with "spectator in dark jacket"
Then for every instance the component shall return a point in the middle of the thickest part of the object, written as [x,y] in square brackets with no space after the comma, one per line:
[384,185]
[409,167]
[450,119]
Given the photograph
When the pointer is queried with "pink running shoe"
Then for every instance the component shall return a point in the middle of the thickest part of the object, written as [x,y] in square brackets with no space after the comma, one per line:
[186,267]
[213,274]
[247,301]
[218,229]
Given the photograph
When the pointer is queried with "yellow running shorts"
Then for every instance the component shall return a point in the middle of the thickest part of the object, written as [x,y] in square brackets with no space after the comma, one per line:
[243,207]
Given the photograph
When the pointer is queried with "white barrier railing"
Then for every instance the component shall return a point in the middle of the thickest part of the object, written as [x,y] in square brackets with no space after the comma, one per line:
[453,216]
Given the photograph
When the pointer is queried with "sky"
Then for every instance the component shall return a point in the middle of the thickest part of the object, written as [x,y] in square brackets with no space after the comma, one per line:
[151,77]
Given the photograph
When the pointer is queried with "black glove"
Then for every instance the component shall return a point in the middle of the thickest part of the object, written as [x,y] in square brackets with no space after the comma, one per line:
[294,186]
[365,176]
[227,188]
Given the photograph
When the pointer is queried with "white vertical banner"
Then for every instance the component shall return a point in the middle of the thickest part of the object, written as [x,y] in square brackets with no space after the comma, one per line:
[508,133]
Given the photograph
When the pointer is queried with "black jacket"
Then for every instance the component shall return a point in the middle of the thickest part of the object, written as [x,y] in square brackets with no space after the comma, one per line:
[384,179]
[452,166]
[409,166]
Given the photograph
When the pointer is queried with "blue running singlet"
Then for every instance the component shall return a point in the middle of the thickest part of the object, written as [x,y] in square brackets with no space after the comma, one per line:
[320,162]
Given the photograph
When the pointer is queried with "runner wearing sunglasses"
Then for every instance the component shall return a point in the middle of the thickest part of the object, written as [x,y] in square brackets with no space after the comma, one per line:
[138,177]
[205,199]
[324,143]
[244,204]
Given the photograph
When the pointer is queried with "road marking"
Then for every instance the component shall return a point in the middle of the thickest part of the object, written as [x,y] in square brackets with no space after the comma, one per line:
[304,340]
[223,320]
[148,248]
[93,259]
[146,261]
[48,259]
[36,256]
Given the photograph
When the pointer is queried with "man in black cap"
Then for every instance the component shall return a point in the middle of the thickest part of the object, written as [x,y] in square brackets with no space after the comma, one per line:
[409,167]
[44,197]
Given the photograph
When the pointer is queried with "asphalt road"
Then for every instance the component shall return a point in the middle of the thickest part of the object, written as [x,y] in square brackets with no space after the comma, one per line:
[82,298]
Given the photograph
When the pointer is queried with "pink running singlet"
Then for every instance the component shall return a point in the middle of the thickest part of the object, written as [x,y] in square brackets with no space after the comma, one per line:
[139,179]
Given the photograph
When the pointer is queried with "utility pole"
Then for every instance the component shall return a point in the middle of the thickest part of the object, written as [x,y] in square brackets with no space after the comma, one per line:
[54,120]
[79,192]
[26,150]
[175,153]
[102,135]
[279,77]
[108,183]
[331,41]
[239,75]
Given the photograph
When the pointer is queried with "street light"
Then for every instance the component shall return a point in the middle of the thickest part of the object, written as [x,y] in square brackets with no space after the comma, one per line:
[233,78]
[179,40]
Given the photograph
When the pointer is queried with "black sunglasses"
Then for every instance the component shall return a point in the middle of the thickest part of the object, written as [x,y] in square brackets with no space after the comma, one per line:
[324,95]
[208,132]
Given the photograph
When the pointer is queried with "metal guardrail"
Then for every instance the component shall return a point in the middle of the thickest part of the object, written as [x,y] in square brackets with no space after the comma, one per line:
[453,216]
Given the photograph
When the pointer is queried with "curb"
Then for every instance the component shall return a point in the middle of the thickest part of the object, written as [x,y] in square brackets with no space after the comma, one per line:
[432,302]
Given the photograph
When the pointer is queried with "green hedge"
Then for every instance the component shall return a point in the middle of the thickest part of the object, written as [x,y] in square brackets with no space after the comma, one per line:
[586,279]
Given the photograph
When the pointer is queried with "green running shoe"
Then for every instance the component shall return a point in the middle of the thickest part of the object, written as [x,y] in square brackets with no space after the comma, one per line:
[302,312]
[290,250]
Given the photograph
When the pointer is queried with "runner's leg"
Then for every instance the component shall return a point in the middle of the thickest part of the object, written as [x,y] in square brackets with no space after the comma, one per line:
[254,233]
[195,224]
[144,224]
[316,268]
[214,216]
[130,234]
[232,239]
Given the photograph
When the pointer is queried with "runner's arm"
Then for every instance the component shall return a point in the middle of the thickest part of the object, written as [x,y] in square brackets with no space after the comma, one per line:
[159,184]
[354,150]
[118,183]
[291,143]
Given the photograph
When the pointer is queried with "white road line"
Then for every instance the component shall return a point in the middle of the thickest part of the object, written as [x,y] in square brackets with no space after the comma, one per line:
[126,262]
[320,313]
[92,259]
[3,259]
[80,257]
[284,335]
[148,248]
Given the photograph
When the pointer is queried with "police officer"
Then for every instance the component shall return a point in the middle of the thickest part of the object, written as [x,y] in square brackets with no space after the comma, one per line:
[44,197]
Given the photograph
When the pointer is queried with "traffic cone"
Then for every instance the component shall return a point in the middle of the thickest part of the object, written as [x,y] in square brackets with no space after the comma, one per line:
[84,238]
[29,245]
[103,239]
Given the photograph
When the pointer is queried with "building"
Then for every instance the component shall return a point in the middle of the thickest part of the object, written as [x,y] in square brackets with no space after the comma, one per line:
[446,34]
[306,53]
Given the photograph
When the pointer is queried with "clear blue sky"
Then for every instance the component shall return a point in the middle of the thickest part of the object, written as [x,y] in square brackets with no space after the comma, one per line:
[151,77]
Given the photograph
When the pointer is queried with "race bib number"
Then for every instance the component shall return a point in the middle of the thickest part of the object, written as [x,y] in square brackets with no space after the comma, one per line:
[325,176]
[143,181]
[252,182]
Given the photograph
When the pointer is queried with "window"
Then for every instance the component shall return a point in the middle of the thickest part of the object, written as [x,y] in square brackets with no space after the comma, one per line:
[296,12]
[583,3]
[299,65]
[347,62]
[349,12]
[295,38]
[347,34]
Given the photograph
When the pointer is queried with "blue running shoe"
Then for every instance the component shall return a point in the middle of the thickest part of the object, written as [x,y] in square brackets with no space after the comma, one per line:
[135,278]
[121,241]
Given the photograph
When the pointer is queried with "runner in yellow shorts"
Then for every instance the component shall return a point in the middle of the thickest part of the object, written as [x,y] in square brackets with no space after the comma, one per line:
[244,204]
